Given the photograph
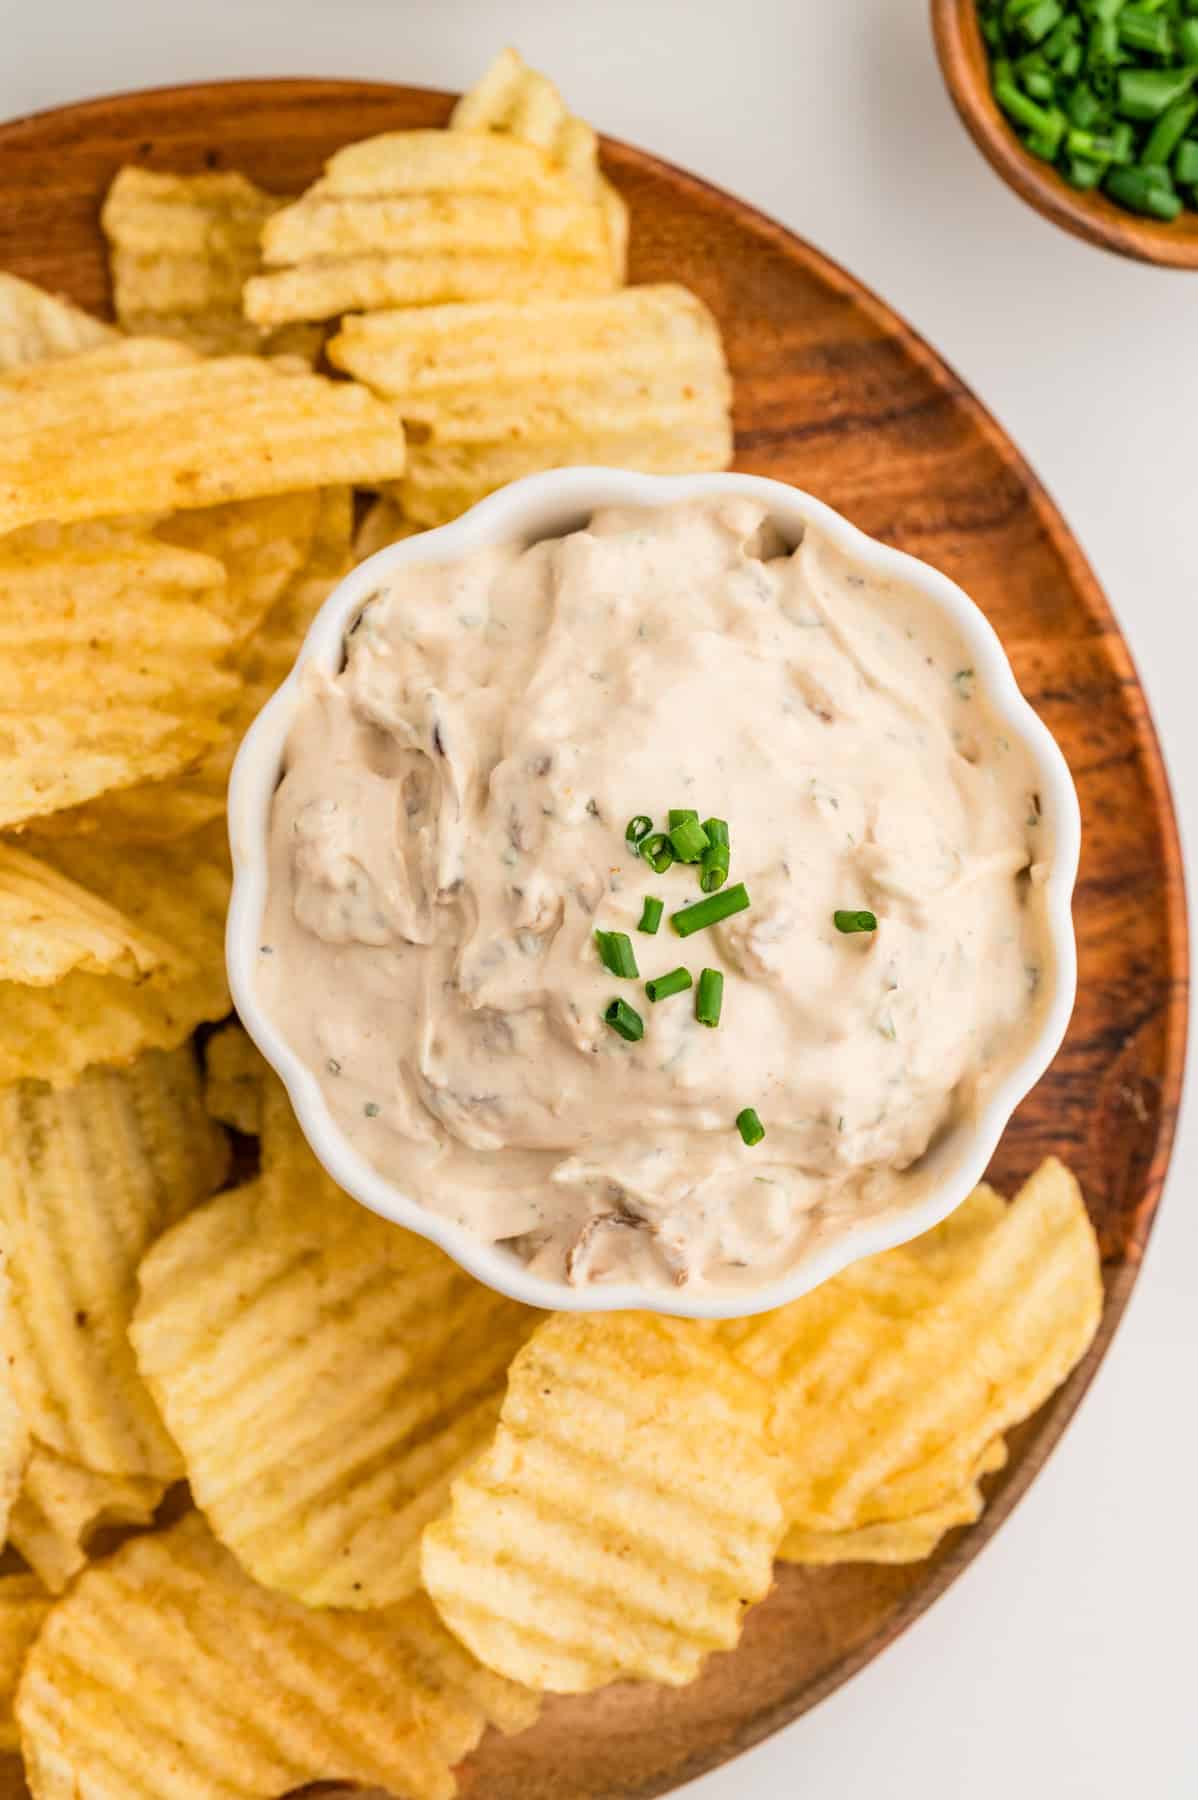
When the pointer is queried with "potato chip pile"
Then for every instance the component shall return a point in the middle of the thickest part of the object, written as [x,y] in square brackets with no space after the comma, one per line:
[287,1496]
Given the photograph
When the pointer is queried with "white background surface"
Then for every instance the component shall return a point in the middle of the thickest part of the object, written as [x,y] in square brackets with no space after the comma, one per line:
[1062,1664]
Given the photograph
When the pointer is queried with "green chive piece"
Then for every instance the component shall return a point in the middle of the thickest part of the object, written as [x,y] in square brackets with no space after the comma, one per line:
[710,911]
[849,922]
[1083,106]
[689,840]
[638,829]
[651,914]
[1080,172]
[1185,163]
[709,998]
[663,986]
[1024,111]
[616,953]
[714,871]
[716,857]
[626,1020]
[658,852]
[679,815]
[1187,40]
[1145,93]
[1140,29]
[1070,63]
[1149,191]
[749,1125]
[1168,131]
[1039,20]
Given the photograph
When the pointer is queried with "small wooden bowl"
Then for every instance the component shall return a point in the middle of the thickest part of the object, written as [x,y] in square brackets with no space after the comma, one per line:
[965,66]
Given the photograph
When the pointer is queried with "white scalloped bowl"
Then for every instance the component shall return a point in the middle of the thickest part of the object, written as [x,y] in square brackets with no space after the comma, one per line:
[549,505]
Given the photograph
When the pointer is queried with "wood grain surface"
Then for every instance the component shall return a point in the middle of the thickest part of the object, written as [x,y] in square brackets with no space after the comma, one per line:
[1090,215]
[837,395]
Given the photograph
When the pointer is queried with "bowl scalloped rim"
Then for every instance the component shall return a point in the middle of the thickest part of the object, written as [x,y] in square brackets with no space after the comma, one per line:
[548,504]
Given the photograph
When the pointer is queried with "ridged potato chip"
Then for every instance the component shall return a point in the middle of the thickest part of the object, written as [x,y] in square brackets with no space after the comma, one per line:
[49,926]
[89,1178]
[24,1604]
[883,1405]
[80,439]
[413,218]
[112,663]
[181,248]
[16,1445]
[622,1518]
[163,810]
[384,524]
[36,326]
[177,891]
[323,1372]
[167,1674]
[512,99]
[636,378]
[262,544]
[895,1540]
[62,1506]
[235,1078]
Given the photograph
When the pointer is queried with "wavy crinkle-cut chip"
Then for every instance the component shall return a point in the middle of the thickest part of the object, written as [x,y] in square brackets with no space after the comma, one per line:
[636,379]
[895,1540]
[179,892]
[82,439]
[36,326]
[416,218]
[890,1381]
[323,1372]
[49,926]
[235,1078]
[512,99]
[265,660]
[16,1445]
[112,663]
[181,248]
[169,809]
[383,524]
[24,1603]
[263,544]
[90,1176]
[62,1506]
[168,1674]
[623,1516]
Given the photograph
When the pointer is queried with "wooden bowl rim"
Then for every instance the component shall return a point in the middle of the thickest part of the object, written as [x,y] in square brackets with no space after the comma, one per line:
[1090,216]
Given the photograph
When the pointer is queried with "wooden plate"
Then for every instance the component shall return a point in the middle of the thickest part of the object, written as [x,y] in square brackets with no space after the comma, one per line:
[836,394]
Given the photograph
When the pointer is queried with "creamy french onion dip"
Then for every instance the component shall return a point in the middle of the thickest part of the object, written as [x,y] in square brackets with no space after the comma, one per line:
[449,834]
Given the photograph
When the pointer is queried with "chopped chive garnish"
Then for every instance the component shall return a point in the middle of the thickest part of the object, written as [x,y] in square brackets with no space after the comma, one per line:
[663,986]
[1106,90]
[616,953]
[637,829]
[854,921]
[710,911]
[749,1125]
[1149,191]
[709,999]
[689,840]
[651,914]
[714,870]
[625,1020]
[657,852]
[680,815]
[1145,93]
